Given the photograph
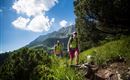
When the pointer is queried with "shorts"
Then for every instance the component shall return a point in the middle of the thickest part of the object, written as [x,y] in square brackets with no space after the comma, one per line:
[59,55]
[72,52]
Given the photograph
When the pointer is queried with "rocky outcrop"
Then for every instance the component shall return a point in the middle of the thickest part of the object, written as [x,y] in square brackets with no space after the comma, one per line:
[113,71]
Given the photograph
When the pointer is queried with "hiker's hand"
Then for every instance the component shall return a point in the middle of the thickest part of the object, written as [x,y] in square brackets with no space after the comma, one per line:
[68,50]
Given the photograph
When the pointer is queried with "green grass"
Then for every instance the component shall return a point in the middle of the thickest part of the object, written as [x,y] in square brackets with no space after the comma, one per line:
[101,54]
[61,70]
[108,51]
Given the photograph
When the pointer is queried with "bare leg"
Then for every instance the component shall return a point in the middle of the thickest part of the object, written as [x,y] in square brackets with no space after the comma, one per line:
[76,57]
[71,59]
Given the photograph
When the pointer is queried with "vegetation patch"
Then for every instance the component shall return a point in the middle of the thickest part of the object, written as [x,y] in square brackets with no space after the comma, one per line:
[109,51]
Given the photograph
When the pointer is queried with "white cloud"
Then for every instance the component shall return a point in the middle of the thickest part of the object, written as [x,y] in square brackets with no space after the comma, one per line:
[33,7]
[63,23]
[40,23]
[21,23]
[1,51]
[1,10]
[35,10]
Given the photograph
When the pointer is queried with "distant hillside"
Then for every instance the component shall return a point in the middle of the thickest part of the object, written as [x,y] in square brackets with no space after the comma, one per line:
[48,40]
[51,41]
[3,57]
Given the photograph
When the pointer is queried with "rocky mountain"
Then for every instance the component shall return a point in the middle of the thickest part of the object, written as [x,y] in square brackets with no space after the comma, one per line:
[48,40]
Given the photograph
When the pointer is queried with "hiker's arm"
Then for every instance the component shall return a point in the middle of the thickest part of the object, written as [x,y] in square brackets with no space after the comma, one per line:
[78,45]
[54,49]
[68,45]
[62,48]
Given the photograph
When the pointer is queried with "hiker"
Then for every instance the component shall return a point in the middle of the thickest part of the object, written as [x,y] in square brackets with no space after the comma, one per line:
[58,49]
[73,48]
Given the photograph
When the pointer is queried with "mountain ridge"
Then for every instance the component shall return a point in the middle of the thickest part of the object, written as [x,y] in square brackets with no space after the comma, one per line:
[62,34]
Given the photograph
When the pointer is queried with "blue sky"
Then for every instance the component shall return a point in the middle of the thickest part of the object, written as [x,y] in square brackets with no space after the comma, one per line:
[13,32]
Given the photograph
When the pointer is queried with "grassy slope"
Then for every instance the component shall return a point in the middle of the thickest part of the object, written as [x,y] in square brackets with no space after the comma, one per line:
[109,51]
[102,54]
[63,72]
